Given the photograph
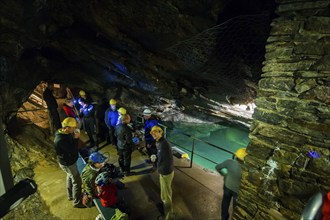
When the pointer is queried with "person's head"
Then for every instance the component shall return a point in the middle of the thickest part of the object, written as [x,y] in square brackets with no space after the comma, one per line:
[69,102]
[103,178]
[146,113]
[97,160]
[240,154]
[69,124]
[122,111]
[112,103]
[156,132]
[82,93]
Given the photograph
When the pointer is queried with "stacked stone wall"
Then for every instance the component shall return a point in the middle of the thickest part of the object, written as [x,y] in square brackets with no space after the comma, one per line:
[292,117]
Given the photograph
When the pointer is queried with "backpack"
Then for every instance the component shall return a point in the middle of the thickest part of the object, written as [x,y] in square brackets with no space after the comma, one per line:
[107,194]
[111,169]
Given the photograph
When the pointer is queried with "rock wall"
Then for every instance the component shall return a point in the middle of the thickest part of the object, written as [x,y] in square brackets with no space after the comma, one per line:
[29,145]
[292,117]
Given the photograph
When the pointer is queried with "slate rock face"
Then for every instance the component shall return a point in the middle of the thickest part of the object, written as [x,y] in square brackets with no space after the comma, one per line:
[291,120]
[101,45]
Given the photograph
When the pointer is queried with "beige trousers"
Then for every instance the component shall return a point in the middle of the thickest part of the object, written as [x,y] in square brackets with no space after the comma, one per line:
[166,193]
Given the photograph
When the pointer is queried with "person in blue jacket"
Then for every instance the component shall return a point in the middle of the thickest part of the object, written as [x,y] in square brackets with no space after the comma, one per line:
[150,121]
[87,113]
[111,118]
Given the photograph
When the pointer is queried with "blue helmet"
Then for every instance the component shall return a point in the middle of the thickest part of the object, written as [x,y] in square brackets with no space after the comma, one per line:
[97,157]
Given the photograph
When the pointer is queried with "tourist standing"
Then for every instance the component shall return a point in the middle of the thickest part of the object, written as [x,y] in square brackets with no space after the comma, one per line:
[165,169]
[66,146]
[87,113]
[54,118]
[124,145]
[111,118]
[232,172]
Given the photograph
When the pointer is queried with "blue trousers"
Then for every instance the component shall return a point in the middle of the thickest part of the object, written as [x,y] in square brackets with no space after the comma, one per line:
[227,195]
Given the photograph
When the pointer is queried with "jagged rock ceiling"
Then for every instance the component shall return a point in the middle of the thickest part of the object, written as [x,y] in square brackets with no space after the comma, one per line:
[132,48]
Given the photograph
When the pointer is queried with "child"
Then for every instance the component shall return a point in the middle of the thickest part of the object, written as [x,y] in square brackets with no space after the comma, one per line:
[106,190]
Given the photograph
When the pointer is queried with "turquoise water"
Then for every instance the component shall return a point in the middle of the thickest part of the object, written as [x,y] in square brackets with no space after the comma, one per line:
[229,138]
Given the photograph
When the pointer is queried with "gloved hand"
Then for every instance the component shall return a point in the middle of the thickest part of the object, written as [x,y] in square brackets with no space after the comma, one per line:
[224,171]
[153,158]
[76,133]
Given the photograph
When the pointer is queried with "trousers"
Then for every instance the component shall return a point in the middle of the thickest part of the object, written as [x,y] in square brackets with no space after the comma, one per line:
[73,182]
[166,193]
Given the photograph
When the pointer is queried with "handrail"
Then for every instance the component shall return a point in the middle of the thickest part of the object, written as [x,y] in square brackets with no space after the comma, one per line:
[213,145]
[193,146]
[195,153]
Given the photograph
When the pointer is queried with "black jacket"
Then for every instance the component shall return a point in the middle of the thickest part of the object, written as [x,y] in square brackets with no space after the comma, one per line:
[66,148]
[164,156]
[124,137]
[49,99]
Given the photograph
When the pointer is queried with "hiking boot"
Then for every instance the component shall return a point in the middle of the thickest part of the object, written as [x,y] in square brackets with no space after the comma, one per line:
[70,199]
[129,173]
[79,206]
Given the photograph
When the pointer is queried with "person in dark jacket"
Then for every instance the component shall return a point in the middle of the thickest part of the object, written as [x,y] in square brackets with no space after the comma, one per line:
[165,169]
[124,145]
[54,117]
[87,113]
[66,146]
[111,118]
[232,172]
[100,108]
[150,121]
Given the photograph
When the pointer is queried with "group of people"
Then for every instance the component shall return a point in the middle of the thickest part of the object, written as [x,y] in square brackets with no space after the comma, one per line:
[81,188]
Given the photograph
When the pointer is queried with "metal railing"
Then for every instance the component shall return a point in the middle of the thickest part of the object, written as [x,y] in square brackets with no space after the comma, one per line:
[192,151]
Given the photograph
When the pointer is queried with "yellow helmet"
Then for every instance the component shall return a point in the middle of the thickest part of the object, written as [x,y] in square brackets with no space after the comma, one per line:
[241,153]
[122,110]
[82,93]
[69,122]
[112,101]
[156,128]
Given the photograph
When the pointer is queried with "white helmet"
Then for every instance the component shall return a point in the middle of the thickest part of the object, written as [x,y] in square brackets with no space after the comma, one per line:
[147,112]
[102,178]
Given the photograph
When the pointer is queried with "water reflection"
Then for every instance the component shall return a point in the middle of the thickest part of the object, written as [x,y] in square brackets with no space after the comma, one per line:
[223,136]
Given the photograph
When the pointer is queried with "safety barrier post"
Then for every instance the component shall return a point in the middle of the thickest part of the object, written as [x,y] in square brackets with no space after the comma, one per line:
[192,153]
